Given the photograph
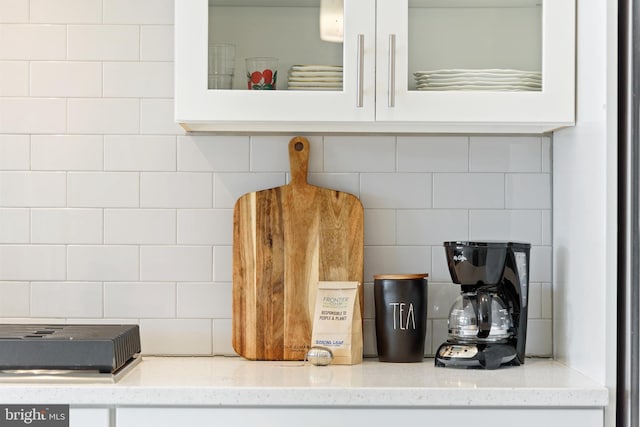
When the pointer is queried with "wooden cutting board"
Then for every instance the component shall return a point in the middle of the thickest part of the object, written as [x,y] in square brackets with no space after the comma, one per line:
[285,240]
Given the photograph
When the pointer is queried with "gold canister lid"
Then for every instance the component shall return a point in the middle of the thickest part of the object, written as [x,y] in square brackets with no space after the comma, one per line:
[400,276]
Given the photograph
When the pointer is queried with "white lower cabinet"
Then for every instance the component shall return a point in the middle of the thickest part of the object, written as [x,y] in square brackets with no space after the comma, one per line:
[350,417]
[90,417]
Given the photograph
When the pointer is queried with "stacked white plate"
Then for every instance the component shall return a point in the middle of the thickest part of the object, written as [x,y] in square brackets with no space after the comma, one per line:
[315,77]
[479,79]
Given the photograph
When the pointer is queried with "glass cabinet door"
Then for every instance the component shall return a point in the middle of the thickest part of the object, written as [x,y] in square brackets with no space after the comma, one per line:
[475,61]
[375,65]
[301,74]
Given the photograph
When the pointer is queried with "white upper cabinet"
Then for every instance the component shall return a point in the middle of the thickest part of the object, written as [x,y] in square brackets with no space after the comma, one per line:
[406,65]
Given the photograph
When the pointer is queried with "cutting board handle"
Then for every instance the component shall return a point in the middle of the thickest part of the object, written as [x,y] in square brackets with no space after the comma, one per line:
[299,148]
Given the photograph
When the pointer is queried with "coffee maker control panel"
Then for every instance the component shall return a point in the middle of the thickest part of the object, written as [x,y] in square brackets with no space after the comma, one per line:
[458,351]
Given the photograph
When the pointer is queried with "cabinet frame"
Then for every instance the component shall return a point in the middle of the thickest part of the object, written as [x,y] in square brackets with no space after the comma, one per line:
[362,107]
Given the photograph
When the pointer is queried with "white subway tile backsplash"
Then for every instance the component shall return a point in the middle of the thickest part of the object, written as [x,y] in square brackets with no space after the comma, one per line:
[229,187]
[66,299]
[14,78]
[345,154]
[540,304]
[535,301]
[369,342]
[66,11]
[396,260]
[139,226]
[369,311]
[65,79]
[204,300]
[505,154]
[547,225]
[540,268]
[546,296]
[138,11]
[156,43]
[156,117]
[222,333]
[396,191]
[440,298]
[110,213]
[431,227]
[38,320]
[138,79]
[132,153]
[14,225]
[439,333]
[468,190]
[176,190]
[14,152]
[140,300]
[111,320]
[222,264]
[15,301]
[380,227]
[546,154]
[33,42]
[67,152]
[489,222]
[526,226]
[176,336]
[213,153]
[103,189]
[205,227]
[428,339]
[104,116]
[103,43]
[271,153]
[32,189]
[528,191]
[69,226]
[32,262]
[33,115]
[439,268]
[102,263]
[176,263]
[433,153]
[523,226]
[539,337]
[14,11]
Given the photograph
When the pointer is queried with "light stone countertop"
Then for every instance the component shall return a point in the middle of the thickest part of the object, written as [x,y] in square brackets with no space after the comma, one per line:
[233,381]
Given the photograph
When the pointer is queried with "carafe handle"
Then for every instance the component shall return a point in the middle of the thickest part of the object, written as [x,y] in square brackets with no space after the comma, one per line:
[484,314]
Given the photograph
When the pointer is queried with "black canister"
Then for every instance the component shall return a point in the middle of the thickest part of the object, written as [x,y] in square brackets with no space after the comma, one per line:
[401,316]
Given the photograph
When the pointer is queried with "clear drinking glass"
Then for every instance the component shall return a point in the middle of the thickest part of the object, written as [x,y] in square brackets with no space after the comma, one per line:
[222,57]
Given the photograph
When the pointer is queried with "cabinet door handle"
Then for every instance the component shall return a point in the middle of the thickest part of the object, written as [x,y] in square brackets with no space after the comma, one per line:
[360,72]
[392,70]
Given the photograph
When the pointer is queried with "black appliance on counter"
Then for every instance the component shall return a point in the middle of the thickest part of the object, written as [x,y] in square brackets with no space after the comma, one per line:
[101,348]
[488,321]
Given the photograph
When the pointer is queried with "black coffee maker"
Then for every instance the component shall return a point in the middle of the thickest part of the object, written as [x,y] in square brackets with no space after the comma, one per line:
[488,321]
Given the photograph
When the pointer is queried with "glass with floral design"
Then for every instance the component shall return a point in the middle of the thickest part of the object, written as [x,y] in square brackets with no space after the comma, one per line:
[262,73]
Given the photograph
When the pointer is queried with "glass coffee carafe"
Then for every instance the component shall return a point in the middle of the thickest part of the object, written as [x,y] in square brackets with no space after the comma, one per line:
[479,316]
